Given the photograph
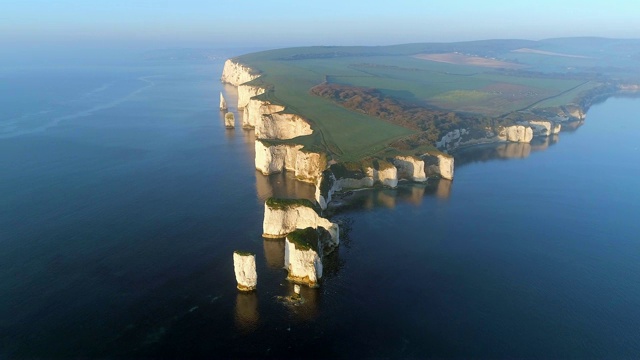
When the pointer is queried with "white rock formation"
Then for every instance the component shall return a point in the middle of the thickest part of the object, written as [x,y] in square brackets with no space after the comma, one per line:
[283,216]
[246,92]
[254,110]
[307,166]
[235,73]
[304,265]
[515,133]
[223,103]
[410,168]
[229,120]
[244,265]
[440,165]
[545,127]
[386,174]
[281,126]
[452,139]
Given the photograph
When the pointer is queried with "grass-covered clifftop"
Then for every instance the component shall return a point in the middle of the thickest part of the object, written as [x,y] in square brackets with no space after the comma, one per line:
[366,100]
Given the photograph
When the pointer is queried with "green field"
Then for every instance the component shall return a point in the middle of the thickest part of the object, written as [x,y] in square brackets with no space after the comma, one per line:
[549,73]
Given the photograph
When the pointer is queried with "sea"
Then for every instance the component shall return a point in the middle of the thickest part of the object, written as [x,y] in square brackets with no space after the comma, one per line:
[123,197]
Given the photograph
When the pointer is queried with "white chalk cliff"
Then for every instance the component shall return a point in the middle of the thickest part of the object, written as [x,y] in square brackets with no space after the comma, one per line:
[440,165]
[410,168]
[452,139]
[307,166]
[244,266]
[254,110]
[303,263]
[515,133]
[246,92]
[280,220]
[235,74]
[304,266]
[545,127]
[281,126]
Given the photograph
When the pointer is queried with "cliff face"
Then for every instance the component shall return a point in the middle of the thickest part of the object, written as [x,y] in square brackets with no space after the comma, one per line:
[410,168]
[271,159]
[516,133]
[282,220]
[281,126]
[246,92]
[236,74]
[254,110]
[244,266]
[303,265]
[404,167]
[544,127]
[439,165]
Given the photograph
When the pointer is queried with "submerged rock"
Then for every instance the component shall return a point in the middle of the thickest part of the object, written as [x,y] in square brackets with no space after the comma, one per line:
[244,266]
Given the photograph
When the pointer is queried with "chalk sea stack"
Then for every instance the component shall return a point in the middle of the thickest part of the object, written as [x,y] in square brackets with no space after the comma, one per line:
[244,266]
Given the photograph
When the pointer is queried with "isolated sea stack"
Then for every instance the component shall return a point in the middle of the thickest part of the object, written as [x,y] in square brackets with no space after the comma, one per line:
[244,265]
[223,103]
[229,120]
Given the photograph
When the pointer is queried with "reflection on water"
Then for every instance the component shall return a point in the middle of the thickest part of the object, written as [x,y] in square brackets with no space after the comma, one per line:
[274,253]
[572,126]
[246,312]
[412,193]
[488,152]
[283,185]
[443,190]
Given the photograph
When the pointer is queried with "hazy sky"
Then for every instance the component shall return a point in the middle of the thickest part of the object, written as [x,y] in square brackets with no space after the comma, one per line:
[161,23]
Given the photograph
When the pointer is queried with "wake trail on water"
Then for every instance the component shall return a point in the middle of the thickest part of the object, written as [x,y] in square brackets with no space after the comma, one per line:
[11,128]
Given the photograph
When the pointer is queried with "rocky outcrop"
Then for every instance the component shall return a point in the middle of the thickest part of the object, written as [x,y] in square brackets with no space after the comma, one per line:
[440,165]
[244,266]
[283,216]
[246,92]
[303,254]
[515,133]
[452,139]
[274,158]
[410,168]
[229,120]
[281,126]
[544,127]
[254,110]
[223,103]
[235,73]
[383,172]
[345,176]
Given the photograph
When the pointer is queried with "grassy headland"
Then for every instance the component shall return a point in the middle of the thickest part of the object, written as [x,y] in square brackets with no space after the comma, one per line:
[364,101]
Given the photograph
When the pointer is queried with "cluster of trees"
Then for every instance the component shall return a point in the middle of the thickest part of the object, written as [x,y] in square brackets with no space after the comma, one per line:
[432,123]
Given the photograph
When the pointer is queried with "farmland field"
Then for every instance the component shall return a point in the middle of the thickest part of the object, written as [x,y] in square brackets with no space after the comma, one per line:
[490,79]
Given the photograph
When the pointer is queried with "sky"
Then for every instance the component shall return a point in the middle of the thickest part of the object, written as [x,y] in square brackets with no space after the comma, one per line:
[276,23]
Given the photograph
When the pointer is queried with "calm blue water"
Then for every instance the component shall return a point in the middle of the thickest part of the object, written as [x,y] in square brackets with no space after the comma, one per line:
[123,197]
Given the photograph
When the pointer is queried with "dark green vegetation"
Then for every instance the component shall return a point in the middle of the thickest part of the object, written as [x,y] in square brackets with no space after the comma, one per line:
[305,239]
[366,100]
[243,253]
[283,204]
